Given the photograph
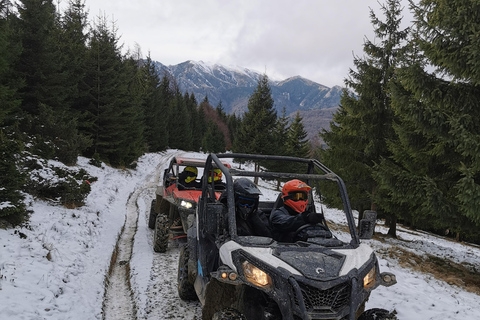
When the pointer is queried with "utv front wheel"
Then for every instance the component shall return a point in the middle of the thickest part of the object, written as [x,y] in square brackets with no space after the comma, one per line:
[160,236]
[186,291]
[377,314]
[228,314]
[153,215]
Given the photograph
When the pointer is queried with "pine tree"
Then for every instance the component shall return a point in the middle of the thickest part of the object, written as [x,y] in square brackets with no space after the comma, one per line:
[133,116]
[213,139]
[165,95]
[180,132]
[73,43]
[281,133]
[9,82]
[114,111]
[192,110]
[363,123]
[297,143]
[50,86]
[40,62]
[233,123]
[12,207]
[435,160]
[257,129]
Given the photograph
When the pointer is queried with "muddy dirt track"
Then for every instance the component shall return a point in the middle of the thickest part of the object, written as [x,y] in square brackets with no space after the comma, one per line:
[142,284]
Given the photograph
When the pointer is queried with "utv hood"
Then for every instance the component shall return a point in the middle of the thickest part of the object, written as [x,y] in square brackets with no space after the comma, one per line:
[313,265]
[317,263]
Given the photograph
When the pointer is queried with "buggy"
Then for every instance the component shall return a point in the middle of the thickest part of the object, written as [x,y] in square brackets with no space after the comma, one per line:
[248,277]
[172,211]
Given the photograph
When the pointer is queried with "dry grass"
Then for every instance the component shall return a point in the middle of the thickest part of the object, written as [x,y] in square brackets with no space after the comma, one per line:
[463,275]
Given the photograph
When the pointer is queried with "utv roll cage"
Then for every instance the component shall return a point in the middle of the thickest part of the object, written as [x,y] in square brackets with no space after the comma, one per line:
[214,161]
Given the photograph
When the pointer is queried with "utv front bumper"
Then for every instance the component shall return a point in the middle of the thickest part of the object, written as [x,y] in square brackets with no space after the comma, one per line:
[299,297]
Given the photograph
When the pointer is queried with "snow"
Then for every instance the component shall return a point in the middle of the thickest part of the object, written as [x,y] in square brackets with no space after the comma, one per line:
[55,267]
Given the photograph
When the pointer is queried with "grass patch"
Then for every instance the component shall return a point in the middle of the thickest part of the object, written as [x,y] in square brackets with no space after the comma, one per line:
[463,275]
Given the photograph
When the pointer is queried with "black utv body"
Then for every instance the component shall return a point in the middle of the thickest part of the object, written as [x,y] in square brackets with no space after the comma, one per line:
[251,277]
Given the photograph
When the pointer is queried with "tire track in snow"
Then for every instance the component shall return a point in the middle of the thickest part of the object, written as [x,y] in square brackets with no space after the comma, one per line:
[118,302]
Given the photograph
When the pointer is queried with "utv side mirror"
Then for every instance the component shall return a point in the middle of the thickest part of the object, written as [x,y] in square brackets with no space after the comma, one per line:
[367,224]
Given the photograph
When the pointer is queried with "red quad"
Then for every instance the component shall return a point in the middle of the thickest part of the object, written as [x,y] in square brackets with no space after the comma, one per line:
[172,212]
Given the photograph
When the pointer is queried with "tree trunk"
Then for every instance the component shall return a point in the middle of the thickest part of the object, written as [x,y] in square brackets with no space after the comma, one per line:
[393,226]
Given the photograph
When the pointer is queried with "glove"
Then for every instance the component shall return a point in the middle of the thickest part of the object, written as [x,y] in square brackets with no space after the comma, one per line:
[313,218]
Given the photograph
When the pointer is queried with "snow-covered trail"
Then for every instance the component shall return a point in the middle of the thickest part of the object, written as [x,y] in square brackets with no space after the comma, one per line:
[55,266]
[129,295]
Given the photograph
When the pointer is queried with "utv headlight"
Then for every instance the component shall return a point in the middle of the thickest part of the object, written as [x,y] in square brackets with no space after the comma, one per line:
[369,279]
[186,204]
[256,276]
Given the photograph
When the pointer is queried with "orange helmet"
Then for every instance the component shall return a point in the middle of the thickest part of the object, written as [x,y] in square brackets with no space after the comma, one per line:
[295,195]
[217,175]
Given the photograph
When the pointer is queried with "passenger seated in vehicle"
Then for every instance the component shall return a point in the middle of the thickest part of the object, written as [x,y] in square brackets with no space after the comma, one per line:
[217,179]
[249,219]
[187,178]
[293,213]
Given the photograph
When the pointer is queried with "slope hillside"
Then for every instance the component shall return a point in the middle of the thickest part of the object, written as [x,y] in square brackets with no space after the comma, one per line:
[62,264]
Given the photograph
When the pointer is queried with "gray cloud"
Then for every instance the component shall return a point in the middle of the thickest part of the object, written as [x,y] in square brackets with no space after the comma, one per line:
[311,38]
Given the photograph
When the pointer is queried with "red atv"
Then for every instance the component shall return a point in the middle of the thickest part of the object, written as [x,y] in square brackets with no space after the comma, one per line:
[173,210]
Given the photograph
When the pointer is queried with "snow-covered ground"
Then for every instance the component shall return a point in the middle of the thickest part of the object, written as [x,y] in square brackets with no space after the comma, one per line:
[55,267]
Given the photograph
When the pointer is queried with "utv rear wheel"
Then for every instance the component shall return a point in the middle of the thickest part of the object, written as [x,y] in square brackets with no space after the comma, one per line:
[186,291]
[153,216]
[377,314]
[228,314]
[160,237]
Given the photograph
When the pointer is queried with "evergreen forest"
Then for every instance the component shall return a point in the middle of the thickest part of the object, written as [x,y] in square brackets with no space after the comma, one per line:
[68,89]
[405,139]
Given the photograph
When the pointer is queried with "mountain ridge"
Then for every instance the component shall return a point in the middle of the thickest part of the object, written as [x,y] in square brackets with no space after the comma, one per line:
[232,86]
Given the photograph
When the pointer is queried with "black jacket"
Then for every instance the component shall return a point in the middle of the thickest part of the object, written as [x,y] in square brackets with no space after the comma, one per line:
[285,221]
[256,225]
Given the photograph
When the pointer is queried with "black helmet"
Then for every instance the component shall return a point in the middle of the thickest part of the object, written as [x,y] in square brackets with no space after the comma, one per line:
[246,197]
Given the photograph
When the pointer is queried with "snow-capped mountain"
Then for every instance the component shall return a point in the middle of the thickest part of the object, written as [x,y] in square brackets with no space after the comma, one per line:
[234,85]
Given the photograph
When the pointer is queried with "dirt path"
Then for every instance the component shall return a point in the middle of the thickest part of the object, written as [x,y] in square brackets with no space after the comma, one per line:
[126,298]
[118,300]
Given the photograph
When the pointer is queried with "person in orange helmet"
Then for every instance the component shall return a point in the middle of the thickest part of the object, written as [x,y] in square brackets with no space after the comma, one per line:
[293,213]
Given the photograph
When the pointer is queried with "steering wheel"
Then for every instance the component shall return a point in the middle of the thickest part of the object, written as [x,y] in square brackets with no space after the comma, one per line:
[305,226]
[317,226]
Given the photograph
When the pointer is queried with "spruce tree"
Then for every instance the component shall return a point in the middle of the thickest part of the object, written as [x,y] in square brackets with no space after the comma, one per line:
[213,139]
[9,82]
[132,106]
[192,110]
[73,43]
[40,62]
[165,95]
[113,110]
[233,123]
[12,207]
[180,132]
[257,130]
[150,108]
[50,86]
[363,123]
[281,141]
[297,143]
[435,160]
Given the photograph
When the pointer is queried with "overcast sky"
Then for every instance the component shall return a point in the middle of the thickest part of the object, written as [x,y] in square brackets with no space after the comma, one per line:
[312,38]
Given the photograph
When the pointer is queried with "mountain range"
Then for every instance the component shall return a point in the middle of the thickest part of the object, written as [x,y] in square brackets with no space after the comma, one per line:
[233,86]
